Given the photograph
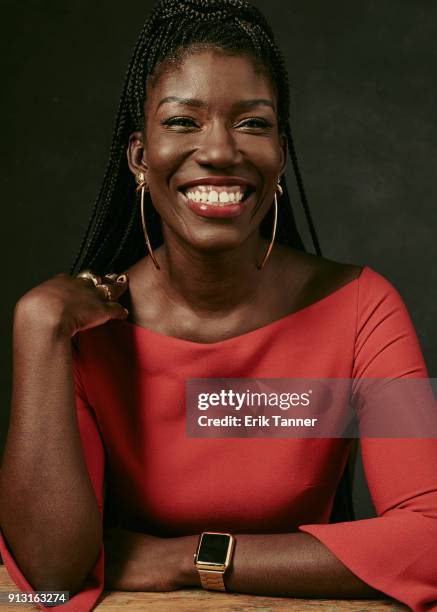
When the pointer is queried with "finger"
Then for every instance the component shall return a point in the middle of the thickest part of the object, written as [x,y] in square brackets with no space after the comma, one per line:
[116,310]
[112,276]
[115,290]
[87,281]
[105,292]
[88,275]
[117,278]
[118,284]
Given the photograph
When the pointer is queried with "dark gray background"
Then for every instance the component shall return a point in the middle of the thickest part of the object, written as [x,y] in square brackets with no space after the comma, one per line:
[364,114]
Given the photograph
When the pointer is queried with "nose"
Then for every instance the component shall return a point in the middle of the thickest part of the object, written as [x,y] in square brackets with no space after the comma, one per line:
[218,147]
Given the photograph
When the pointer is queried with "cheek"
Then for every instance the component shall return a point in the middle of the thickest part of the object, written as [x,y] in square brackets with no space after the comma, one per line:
[265,154]
[164,160]
[163,156]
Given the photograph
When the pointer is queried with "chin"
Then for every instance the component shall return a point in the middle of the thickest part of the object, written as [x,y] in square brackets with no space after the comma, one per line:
[214,242]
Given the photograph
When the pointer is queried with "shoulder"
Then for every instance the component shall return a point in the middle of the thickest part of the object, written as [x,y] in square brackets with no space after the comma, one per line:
[314,277]
[386,342]
[378,294]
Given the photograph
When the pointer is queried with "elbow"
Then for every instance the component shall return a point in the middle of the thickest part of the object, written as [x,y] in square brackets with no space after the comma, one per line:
[64,568]
[53,556]
[66,584]
[69,579]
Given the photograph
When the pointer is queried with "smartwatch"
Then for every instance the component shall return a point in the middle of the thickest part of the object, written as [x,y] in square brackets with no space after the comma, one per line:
[213,557]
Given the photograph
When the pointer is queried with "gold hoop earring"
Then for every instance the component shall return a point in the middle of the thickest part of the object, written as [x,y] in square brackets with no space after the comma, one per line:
[275,222]
[142,186]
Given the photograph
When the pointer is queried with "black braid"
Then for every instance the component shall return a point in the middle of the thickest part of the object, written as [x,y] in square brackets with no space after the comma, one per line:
[302,193]
[290,142]
[113,239]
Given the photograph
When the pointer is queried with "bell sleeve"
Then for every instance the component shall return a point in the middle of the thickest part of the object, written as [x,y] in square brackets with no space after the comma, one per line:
[396,551]
[85,599]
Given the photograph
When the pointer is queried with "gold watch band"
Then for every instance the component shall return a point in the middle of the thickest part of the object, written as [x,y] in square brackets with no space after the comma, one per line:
[213,557]
[212,580]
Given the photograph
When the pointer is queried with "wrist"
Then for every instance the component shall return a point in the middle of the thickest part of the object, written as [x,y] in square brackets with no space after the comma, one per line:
[31,318]
[188,576]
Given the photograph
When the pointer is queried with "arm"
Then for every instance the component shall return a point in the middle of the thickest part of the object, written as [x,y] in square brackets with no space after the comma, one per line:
[290,564]
[44,481]
[51,483]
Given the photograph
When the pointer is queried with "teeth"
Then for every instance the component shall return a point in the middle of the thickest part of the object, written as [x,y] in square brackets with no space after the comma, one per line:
[220,196]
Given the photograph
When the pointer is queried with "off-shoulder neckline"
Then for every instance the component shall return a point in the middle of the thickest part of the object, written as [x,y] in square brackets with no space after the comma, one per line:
[139,329]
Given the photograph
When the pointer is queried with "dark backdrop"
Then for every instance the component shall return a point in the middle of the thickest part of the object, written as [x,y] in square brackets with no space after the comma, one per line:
[365,123]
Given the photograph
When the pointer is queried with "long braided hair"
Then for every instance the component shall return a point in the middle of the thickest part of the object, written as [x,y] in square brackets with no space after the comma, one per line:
[113,239]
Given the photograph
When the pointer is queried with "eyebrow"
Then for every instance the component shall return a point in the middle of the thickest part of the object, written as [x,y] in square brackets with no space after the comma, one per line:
[243,104]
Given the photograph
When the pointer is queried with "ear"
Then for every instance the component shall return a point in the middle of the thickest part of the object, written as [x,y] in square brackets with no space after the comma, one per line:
[136,154]
[284,148]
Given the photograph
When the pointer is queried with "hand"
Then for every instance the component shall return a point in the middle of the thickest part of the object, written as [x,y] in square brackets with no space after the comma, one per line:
[141,562]
[69,304]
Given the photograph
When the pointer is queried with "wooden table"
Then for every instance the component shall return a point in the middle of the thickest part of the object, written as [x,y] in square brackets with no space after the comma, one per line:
[197,600]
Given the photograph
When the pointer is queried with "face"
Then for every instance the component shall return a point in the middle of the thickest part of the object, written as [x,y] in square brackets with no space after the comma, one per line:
[211,152]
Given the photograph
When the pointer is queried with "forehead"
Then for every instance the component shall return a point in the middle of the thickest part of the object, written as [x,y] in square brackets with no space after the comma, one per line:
[212,74]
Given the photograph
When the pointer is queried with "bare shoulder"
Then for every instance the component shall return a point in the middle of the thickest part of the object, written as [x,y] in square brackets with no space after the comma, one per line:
[317,276]
[331,275]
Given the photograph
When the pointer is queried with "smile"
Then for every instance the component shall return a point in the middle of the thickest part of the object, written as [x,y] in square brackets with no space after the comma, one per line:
[215,195]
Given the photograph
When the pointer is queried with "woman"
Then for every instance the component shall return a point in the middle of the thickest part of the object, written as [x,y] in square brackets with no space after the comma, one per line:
[224,290]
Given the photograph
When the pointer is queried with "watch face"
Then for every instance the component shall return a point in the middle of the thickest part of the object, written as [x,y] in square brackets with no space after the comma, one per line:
[213,548]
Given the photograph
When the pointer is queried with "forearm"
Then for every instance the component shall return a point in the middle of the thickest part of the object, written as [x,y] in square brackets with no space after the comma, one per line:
[289,564]
[48,511]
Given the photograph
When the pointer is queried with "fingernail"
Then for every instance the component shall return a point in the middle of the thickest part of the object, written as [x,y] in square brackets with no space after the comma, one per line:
[122,278]
[126,311]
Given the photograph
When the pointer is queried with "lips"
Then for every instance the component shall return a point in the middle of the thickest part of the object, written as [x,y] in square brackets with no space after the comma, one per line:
[218,181]
[218,196]
[222,189]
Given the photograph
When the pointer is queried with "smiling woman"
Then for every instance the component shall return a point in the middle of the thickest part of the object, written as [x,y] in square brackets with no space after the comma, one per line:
[226,124]
[234,84]
[192,268]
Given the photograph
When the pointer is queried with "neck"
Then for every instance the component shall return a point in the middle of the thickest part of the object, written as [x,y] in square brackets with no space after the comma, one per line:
[211,281]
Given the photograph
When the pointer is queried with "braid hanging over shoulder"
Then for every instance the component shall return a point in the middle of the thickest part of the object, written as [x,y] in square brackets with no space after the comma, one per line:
[113,239]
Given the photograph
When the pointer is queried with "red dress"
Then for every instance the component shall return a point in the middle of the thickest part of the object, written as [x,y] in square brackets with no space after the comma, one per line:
[131,414]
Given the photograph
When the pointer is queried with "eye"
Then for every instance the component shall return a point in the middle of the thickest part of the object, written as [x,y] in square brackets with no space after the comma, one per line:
[256,122]
[179,121]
